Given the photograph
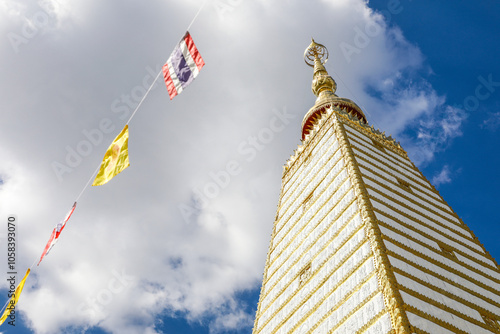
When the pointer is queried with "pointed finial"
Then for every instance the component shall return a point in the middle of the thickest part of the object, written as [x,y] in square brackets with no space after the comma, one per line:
[315,51]
[324,87]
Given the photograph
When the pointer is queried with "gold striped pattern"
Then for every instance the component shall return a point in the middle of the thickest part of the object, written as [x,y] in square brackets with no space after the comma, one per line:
[416,226]
[309,176]
[356,309]
[448,294]
[391,181]
[372,322]
[301,178]
[435,320]
[425,270]
[413,229]
[296,197]
[339,304]
[288,284]
[348,221]
[301,151]
[444,307]
[432,250]
[313,290]
[386,277]
[366,146]
[275,256]
[440,265]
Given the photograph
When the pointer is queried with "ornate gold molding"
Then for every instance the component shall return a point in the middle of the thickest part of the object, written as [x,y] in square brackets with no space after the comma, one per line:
[444,307]
[292,224]
[450,295]
[315,255]
[313,290]
[396,220]
[342,301]
[361,152]
[424,212]
[295,193]
[441,277]
[305,274]
[387,280]
[435,320]
[387,141]
[393,208]
[492,323]
[311,141]
[293,185]
[264,277]
[402,162]
[419,331]
[372,322]
[356,309]
[391,172]
[447,268]
[324,231]
[423,199]
[440,243]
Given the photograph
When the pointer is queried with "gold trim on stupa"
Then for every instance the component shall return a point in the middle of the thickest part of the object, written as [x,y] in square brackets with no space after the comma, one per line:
[324,87]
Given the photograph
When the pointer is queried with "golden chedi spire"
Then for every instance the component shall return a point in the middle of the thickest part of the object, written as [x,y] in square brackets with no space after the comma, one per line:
[324,87]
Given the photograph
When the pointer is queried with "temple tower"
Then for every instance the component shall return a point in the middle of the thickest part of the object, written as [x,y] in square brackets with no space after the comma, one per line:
[362,242]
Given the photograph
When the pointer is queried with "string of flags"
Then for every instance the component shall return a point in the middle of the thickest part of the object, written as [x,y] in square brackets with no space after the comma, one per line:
[183,65]
[54,237]
[115,159]
[11,303]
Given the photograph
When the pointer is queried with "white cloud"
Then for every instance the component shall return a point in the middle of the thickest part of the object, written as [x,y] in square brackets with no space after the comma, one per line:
[65,81]
[235,320]
[492,122]
[442,177]
[435,131]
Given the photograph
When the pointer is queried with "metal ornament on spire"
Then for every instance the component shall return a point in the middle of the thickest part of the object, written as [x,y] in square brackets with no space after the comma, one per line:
[324,87]
[315,51]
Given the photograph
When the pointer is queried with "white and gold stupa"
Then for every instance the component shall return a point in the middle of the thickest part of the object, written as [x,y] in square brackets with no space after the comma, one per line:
[362,242]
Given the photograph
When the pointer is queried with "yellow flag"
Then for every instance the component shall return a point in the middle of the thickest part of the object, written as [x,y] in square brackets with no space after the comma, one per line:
[115,160]
[13,300]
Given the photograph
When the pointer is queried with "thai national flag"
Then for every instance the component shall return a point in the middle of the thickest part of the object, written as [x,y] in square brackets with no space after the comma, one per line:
[183,66]
[54,237]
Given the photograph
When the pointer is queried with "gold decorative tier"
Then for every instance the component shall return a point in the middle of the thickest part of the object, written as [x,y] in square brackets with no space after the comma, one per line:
[324,87]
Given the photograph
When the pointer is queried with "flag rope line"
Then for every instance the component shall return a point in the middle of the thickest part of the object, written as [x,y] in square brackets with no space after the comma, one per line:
[133,114]
[144,97]
[139,105]
[196,16]
[88,182]
[5,306]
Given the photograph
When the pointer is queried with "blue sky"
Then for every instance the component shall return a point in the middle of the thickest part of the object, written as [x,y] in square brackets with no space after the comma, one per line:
[459,43]
[199,271]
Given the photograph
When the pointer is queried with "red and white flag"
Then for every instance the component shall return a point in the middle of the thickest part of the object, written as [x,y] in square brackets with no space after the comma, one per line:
[182,66]
[55,233]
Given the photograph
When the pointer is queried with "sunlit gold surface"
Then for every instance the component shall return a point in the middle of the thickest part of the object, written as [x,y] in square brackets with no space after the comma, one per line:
[324,87]
[405,221]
